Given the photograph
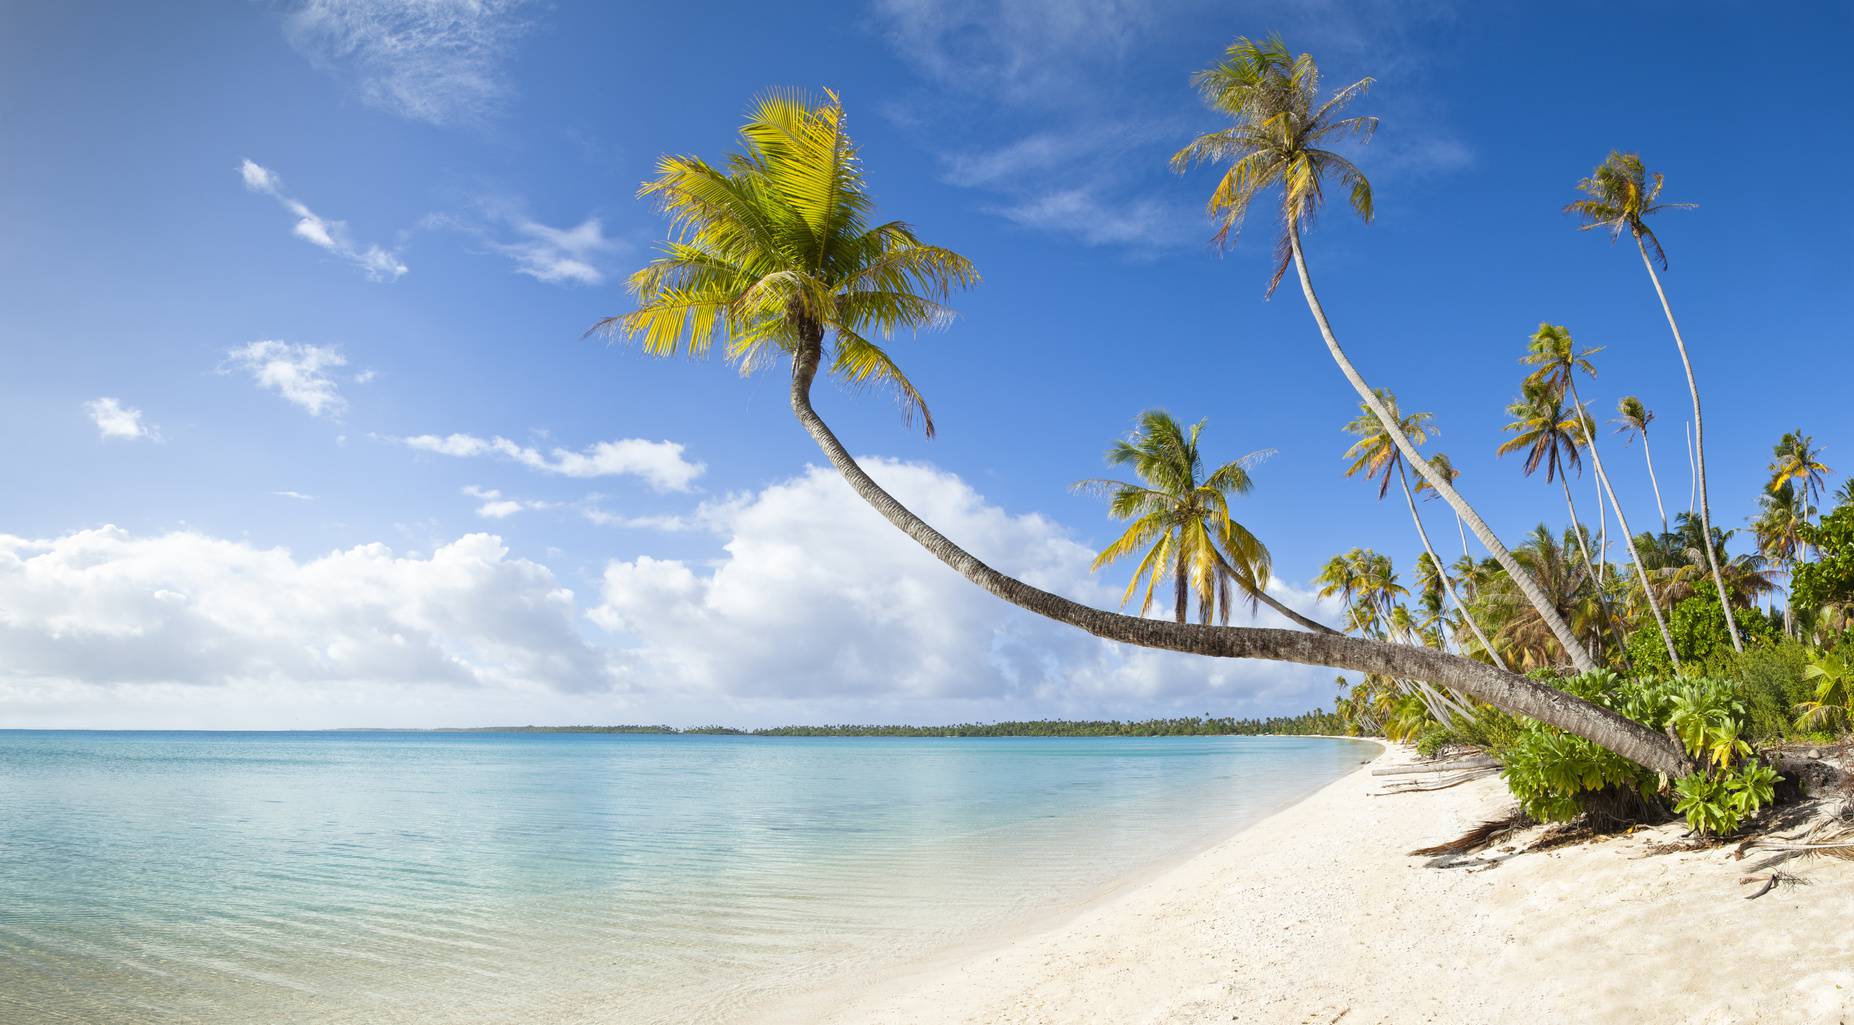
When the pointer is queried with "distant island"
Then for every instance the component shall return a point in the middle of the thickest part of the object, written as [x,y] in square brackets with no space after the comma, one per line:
[1305,724]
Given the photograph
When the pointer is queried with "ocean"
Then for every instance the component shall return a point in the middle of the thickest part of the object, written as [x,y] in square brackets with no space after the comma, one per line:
[441,878]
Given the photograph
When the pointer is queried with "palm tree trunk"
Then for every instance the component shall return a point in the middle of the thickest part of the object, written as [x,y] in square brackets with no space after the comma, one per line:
[1182,583]
[1686,431]
[1699,450]
[1641,572]
[1261,594]
[1596,582]
[1517,694]
[1442,571]
[1527,586]
[1646,454]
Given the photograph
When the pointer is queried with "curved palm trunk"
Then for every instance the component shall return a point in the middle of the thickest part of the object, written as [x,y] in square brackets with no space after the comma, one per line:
[1442,571]
[1658,507]
[1517,694]
[1699,450]
[1527,586]
[1261,594]
[1686,431]
[1641,572]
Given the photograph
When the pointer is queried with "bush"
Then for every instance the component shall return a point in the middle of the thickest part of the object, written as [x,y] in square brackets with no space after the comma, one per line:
[1556,776]
[1770,680]
[1697,626]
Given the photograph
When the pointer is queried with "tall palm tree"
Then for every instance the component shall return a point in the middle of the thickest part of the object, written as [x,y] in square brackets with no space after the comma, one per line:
[1632,420]
[1557,361]
[1181,519]
[1620,196]
[1782,516]
[1529,644]
[1551,439]
[1796,458]
[1377,456]
[776,254]
[1442,466]
[1279,132]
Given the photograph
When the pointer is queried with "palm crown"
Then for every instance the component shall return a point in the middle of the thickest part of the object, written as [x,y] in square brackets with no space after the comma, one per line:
[1619,196]
[1795,458]
[1280,125]
[1548,434]
[1181,517]
[1555,359]
[1374,452]
[1632,417]
[776,251]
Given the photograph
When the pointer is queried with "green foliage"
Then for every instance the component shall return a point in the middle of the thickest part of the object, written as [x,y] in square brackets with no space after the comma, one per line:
[1700,638]
[1556,776]
[1829,578]
[1831,674]
[1770,682]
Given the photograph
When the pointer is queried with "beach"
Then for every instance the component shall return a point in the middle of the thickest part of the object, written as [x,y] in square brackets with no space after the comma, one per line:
[1318,914]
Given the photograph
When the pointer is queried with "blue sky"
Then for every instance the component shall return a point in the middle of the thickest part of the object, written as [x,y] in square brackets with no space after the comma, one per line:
[293,295]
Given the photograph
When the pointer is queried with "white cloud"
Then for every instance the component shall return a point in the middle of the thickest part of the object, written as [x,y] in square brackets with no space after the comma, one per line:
[660,464]
[497,507]
[328,235]
[293,370]
[819,599]
[1020,49]
[558,256]
[115,420]
[1140,224]
[438,61]
[296,495]
[106,609]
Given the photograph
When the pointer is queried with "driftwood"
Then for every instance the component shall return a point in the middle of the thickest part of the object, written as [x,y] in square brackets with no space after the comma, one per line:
[1769,883]
[1424,786]
[1483,835]
[1445,765]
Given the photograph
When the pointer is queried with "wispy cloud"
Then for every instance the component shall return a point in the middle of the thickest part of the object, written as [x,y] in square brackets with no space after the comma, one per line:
[331,236]
[295,371]
[294,495]
[660,464]
[558,256]
[437,61]
[117,421]
[1020,50]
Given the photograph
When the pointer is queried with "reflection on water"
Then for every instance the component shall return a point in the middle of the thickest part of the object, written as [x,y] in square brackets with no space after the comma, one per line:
[560,878]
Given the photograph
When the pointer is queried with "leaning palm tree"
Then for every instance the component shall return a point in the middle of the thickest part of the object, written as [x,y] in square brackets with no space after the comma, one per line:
[1279,136]
[1376,455]
[1181,521]
[1557,361]
[1632,419]
[777,255]
[1620,196]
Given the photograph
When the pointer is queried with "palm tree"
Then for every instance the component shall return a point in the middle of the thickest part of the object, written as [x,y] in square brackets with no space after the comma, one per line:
[1557,362]
[1778,528]
[1632,419]
[777,255]
[1181,518]
[1550,438]
[1529,643]
[1443,467]
[1795,458]
[1377,456]
[1277,137]
[1619,196]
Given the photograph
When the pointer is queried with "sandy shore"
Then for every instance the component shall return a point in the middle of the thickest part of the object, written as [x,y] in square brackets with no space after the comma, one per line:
[1318,915]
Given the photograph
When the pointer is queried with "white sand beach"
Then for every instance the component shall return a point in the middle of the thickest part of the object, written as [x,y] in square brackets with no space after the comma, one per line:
[1318,914]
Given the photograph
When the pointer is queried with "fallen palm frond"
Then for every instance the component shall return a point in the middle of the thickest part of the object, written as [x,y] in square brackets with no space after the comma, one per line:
[1439,765]
[1483,835]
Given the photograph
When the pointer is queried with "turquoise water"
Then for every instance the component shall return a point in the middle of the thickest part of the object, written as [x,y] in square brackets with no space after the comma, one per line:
[563,878]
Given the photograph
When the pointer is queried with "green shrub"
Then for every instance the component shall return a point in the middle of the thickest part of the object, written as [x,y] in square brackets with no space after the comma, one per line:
[1697,626]
[1770,681]
[1556,776]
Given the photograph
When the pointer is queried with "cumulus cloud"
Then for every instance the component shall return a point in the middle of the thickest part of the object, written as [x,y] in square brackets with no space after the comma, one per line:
[819,599]
[107,608]
[660,464]
[115,420]
[496,506]
[437,61]
[331,236]
[293,370]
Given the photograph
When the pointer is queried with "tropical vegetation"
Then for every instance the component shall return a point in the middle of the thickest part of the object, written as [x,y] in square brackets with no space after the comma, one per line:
[1602,689]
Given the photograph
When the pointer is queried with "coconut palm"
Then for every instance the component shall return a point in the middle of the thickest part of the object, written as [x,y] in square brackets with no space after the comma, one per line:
[1443,467]
[1181,521]
[1279,133]
[1551,438]
[1527,642]
[1632,420]
[777,254]
[1620,196]
[1377,456]
[1782,516]
[1557,361]
[1796,458]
